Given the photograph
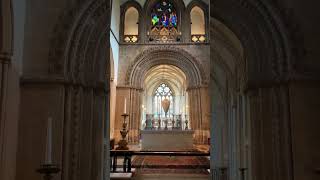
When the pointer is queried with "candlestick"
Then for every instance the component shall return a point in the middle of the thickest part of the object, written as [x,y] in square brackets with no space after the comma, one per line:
[122,144]
[48,159]
[48,171]
[125,106]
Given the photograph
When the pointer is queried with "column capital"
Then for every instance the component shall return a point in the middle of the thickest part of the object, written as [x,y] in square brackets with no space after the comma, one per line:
[5,58]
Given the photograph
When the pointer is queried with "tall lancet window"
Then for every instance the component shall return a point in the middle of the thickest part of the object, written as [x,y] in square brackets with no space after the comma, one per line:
[131,25]
[198,26]
[163,92]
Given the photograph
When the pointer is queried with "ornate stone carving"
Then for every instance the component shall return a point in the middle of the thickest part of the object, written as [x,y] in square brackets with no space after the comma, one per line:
[78,56]
[70,44]
[166,55]
[268,30]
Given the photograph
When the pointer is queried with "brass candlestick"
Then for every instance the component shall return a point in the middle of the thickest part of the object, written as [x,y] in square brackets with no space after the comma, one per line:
[48,171]
[123,144]
[186,122]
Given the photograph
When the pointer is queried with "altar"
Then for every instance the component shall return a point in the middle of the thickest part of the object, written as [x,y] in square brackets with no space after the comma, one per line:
[167,140]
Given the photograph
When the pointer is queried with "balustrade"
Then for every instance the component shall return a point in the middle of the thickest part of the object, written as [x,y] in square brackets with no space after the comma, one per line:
[173,123]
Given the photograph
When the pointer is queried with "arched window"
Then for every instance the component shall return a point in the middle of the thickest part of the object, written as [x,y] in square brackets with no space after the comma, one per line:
[163,92]
[131,25]
[164,22]
[198,26]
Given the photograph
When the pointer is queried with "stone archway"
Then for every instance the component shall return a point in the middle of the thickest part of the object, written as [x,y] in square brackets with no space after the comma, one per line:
[197,87]
[78,48]
[166,55]
[79,72]
[253,120]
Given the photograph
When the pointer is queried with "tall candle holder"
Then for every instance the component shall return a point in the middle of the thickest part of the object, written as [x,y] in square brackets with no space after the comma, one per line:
[48,171]
[186,122]
[123,144]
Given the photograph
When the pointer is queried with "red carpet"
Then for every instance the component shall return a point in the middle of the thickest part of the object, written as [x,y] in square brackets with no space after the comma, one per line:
[172,171]
[173,162]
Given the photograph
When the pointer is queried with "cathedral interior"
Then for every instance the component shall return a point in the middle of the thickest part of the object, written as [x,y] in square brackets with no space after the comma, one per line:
[159,89]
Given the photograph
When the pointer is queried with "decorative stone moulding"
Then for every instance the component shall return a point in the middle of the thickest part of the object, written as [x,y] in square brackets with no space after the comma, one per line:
[198,38]
[131,38]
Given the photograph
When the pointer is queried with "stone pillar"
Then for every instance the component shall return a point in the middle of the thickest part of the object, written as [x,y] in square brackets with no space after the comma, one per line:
[9,112]
[199,105]
[79,116]
[9,94]
[135,115]
[270,133]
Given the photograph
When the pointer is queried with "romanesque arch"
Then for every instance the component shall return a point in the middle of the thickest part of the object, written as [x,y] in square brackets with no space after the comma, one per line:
[79,57]
[260,75]
[267,52]
[197,86]
[166,55]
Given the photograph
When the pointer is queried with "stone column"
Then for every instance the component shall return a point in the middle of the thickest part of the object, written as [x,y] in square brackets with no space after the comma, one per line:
[270,133]
[135,115]
[9,112]
[199,105]
[9,94]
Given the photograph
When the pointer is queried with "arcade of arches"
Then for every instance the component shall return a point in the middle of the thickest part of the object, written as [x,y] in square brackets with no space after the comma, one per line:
[236,80]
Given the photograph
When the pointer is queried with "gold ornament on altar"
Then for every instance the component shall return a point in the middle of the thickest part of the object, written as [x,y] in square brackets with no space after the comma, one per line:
[165,105]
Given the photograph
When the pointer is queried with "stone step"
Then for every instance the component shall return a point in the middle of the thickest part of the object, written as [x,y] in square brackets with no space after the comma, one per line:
[120,170]
[120,175]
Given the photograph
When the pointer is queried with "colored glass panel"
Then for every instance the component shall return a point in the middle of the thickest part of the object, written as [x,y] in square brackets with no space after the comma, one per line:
[164,14]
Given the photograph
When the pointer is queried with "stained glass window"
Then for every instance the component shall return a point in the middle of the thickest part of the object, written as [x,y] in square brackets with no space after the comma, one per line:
[162,92]
[164,15]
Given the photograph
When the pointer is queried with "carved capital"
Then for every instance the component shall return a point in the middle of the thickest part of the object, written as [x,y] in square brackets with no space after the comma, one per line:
[5,58]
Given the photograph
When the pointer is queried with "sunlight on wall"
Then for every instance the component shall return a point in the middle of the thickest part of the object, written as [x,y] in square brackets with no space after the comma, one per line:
[197,20]
[131,22]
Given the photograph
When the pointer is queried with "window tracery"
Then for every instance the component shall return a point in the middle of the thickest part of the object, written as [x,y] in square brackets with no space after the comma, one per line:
[163,92]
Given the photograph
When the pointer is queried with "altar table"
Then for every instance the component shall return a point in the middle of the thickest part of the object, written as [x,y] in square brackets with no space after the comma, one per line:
[167,140]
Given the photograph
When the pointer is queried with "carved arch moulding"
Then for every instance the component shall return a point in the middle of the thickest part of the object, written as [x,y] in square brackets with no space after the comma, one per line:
[265,37]
[80,36]
[170,55]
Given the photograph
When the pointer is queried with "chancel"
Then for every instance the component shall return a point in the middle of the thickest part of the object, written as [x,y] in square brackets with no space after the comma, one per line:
[159,89]
[166,128]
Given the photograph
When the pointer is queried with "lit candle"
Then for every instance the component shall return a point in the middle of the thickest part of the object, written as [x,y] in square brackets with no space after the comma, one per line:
[125,106]
[49,142]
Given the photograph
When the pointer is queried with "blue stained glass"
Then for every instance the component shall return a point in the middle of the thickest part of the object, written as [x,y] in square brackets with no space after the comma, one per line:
[164,15]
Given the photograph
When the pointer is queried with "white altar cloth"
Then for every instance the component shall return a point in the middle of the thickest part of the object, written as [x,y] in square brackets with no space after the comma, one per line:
[167,140]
